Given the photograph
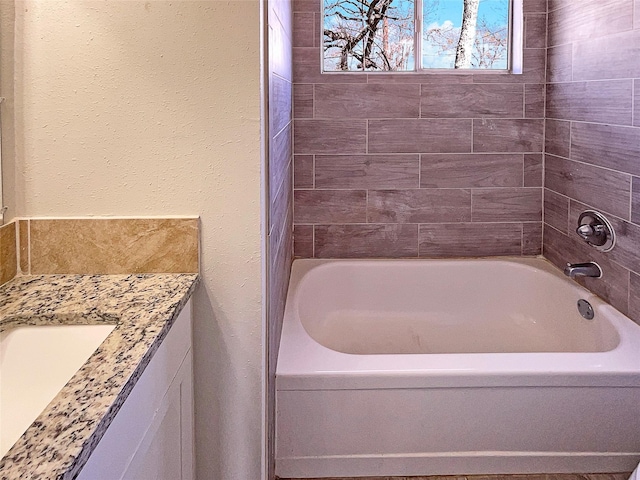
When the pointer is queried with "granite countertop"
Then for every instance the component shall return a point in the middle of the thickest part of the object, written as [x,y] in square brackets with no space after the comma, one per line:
[143,306]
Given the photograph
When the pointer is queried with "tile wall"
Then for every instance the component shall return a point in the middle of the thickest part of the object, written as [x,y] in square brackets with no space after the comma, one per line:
[561,476]
[417,165]
[8,252]
[592,145]
[108,246]
[280,189]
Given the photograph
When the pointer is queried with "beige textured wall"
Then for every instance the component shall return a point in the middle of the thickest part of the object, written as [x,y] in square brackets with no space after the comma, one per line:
[7,22]
[153,108]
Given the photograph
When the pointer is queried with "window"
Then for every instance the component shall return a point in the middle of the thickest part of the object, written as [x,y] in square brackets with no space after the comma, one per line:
[380,35]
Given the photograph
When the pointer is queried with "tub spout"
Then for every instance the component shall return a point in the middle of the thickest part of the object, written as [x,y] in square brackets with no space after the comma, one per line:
[589,269]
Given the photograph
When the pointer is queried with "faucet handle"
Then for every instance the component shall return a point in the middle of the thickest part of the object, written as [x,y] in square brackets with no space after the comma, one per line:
[596,230]
[585,231]
[592,233]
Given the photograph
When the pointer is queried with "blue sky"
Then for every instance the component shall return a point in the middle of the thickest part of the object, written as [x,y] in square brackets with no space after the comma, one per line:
[447,15]
[452,10]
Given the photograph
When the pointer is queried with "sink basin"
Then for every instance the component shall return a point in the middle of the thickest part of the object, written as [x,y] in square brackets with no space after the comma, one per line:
[35,363]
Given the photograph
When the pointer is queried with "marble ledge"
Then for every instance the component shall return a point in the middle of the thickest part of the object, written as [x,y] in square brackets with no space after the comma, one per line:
[143,306]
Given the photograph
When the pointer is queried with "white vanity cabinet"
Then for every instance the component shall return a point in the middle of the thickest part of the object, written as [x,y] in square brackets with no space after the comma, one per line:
[151,437]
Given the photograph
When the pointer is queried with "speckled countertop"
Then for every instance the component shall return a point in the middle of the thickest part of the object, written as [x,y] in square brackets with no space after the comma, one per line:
[144,306]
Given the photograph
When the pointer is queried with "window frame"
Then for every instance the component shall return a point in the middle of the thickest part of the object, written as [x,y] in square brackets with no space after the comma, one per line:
[515,49]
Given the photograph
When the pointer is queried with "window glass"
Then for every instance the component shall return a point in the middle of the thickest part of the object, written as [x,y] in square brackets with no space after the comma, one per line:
[369,35]
[380,35]
[465,34]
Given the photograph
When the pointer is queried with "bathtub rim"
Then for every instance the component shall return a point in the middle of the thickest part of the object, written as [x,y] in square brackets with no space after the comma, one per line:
[304,364]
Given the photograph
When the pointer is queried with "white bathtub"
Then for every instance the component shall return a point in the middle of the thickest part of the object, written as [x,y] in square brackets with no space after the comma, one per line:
[434,367]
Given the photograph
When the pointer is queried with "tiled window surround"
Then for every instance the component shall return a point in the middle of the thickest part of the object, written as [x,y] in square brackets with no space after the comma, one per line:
[409,165]
[592,147]
[99,246]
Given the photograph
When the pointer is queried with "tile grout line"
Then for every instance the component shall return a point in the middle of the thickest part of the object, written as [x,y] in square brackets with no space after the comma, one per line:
[633,102]
[631,199]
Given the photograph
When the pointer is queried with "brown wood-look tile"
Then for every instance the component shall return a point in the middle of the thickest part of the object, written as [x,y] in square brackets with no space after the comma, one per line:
[279,273]
[466,101]
[359,241]
[304,29]
[303,171]
[280,40]
[306,5]
[634,298]
[534,69]
[367,171]
[284,239]
[608,476]
[412,77]
[471,170]
[367,101]
[602,101]
[556,211]
[604,189]
[470,239]
[533,169]
[507,205]
[589,19]
[556,4]
[280,110]
[532,238]
[303,241]
[635,201]
[636,102]
[535,27]
[419,206]
[627,249]
[561,249]
[419,136]
[303,100]
[557,137]
[283,10]
[307,69]
[608,146]
[330,136]
[613,56]
[508,135]
[330,206]
[559,63]
[9,254]
[280,160]
[561,476]
[534,6]
[279,207]
[534,101]
[280,257]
